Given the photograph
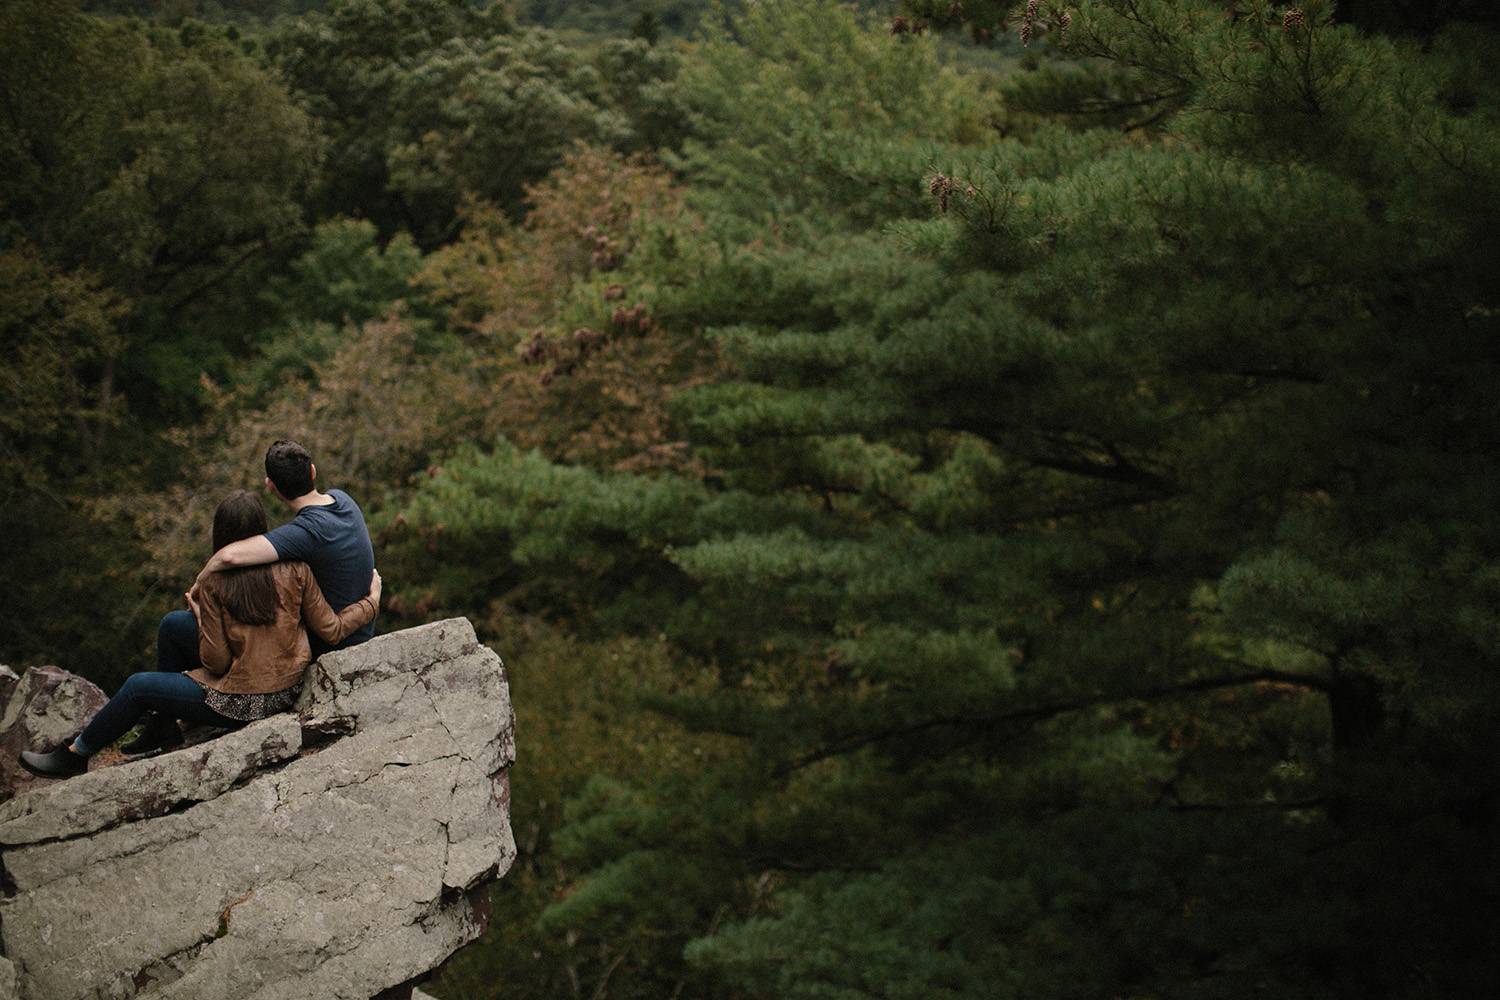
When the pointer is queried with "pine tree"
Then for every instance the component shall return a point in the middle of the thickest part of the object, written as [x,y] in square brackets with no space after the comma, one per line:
[1099,574]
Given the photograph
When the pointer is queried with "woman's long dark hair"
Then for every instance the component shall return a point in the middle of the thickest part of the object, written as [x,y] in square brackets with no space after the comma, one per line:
[249,593]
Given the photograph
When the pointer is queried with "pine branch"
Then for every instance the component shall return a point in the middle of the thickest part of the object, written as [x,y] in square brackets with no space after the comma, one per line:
[1148,121]
[1117,472]
[1314,802]
[1038,713]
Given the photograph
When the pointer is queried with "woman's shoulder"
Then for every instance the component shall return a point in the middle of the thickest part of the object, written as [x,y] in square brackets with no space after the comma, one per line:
[291,571]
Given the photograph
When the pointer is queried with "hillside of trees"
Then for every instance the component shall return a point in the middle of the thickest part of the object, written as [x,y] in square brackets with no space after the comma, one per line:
[976,500]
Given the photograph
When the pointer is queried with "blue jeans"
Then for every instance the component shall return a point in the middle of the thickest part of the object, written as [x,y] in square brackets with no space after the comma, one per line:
[166,689]
[177,642]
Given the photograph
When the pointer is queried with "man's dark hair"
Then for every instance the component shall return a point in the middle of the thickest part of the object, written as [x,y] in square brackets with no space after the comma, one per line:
[289,468]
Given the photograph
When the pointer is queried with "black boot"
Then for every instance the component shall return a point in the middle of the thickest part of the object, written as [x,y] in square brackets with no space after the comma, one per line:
[59,763]
[159,733]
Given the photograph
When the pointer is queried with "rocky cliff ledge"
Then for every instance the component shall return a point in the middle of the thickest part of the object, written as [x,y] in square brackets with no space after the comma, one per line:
[341,852]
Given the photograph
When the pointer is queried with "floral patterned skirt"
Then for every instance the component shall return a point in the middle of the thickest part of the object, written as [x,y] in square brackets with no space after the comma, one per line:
[250,707]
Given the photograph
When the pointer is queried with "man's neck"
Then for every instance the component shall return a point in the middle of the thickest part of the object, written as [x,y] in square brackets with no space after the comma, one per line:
[313,499]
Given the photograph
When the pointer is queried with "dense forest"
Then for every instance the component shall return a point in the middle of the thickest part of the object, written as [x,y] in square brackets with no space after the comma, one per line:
[976,500]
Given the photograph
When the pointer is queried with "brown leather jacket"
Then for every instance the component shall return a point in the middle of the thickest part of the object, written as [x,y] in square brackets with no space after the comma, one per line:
[258,659]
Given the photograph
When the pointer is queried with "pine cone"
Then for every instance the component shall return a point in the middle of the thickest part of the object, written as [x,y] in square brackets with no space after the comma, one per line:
[941,187]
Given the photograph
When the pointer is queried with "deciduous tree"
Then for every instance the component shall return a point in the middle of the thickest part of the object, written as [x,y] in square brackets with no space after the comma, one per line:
[161,160]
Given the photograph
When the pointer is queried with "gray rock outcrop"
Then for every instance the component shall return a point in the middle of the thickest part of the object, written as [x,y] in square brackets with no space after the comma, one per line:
[339,852]
[38,710]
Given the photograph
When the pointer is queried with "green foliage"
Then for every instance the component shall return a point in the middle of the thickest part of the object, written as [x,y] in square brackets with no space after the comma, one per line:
[347,64]
[161,160]
[1071,909]
[1013,537]
[488,117]
[140,169]
[173,12]
[59,332]
[343,278]
[557,528]
[1095,573]
[69,596]
[429,102]
[800,105]
[585,720]
[641,81]
[671,17]
[344,275]
[646,19]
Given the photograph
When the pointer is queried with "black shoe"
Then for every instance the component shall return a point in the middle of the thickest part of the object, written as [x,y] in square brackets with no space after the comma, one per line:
[159,733]
[60,763]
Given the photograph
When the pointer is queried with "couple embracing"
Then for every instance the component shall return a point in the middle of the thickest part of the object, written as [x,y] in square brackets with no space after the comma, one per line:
[239,652]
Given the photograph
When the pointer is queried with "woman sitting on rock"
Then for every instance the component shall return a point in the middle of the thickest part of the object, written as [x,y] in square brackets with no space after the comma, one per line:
[252,644]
